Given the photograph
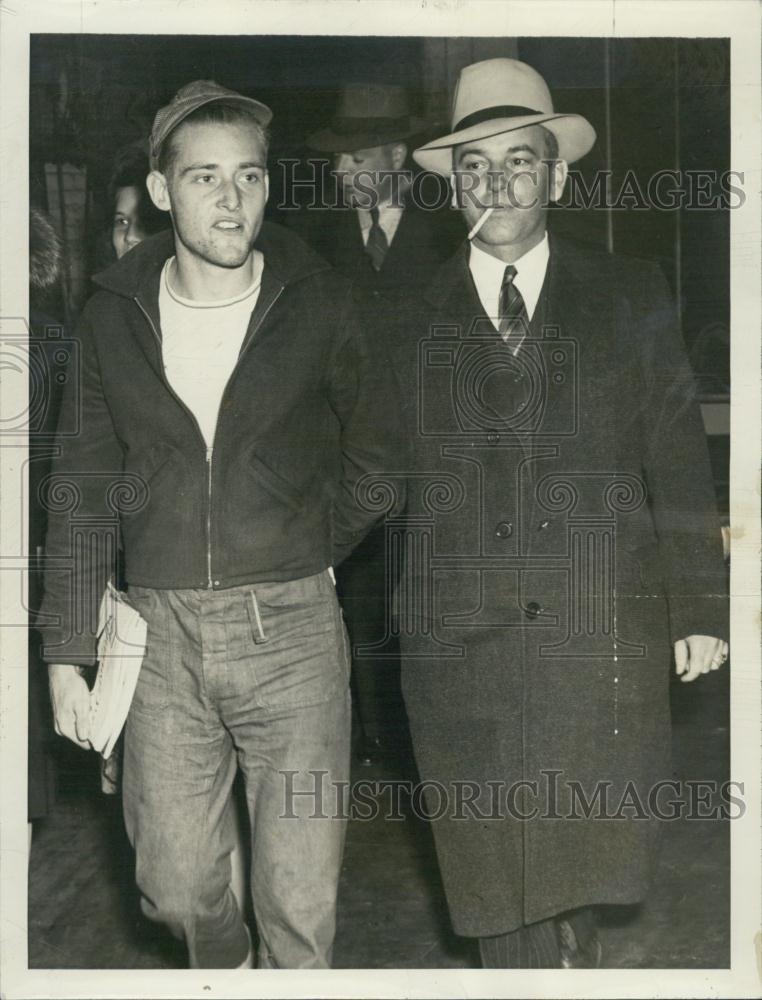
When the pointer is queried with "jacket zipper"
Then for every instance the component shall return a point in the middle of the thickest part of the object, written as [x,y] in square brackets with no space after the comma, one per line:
[209,581]
[209,451]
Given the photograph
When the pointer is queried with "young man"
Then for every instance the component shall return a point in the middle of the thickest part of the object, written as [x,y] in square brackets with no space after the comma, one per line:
[226,383]
[567,539]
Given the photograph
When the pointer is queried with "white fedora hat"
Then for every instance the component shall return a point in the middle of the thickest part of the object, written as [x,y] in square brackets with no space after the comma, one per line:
[500,95]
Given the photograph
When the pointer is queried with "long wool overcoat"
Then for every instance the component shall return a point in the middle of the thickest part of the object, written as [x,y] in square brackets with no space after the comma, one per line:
[561,533]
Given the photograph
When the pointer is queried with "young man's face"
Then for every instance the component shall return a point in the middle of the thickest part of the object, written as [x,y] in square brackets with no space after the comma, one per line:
[216,190]
[507,172]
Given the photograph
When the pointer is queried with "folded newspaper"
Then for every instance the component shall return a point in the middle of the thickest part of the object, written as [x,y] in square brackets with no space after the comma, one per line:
[121,646]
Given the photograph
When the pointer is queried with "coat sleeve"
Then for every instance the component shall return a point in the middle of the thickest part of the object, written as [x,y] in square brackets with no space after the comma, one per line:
[677,471]
[81,499]
[364,396]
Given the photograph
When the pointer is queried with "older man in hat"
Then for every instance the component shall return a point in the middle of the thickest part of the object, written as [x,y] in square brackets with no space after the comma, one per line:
[380,236]
[562,538]
[389,244]
[227,405]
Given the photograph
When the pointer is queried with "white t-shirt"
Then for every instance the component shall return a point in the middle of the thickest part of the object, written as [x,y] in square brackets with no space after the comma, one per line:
[200,345]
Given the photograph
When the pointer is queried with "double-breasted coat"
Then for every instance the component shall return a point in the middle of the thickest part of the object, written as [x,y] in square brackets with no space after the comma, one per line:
[561,534]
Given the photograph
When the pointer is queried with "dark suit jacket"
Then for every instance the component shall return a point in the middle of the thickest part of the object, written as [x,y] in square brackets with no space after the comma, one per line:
[422,242]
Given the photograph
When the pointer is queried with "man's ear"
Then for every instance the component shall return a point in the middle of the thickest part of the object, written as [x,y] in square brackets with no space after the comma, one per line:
[559,171]
[267,185]
[157,189]
[399,155]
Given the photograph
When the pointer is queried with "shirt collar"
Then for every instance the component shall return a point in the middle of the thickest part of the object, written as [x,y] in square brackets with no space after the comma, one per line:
[386,210]
[487,272]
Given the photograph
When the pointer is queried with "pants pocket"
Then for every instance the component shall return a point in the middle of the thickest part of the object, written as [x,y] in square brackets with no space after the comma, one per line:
[153,690]
[299,642]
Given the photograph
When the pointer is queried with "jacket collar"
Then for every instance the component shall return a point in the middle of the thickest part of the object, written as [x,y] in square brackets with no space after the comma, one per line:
[287,260]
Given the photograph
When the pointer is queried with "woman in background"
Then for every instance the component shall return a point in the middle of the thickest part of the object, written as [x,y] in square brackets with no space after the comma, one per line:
[134,214]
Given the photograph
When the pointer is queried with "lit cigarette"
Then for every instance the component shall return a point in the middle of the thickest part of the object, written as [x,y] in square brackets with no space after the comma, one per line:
[480,222]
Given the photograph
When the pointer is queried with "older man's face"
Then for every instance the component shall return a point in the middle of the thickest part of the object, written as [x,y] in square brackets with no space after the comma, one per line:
[507,173]
[361,173]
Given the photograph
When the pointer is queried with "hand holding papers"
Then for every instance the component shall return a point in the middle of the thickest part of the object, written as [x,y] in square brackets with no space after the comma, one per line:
[121,646]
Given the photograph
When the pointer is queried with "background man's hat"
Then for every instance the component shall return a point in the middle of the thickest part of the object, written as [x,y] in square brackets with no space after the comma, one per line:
[368,115]
[499,95]
[193,96]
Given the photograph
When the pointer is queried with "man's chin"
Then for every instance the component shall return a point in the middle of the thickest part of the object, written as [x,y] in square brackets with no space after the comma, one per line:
[358,199]
[233,256]
[232,263]
[497,235]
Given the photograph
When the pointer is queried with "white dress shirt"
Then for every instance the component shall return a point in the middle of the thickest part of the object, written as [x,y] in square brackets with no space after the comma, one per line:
[388,219]
[487,272]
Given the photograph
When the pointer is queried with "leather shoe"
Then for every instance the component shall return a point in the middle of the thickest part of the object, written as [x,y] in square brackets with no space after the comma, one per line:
[573,954]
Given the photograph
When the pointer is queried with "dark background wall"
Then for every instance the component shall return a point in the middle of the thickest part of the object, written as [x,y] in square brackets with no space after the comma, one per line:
[655,103]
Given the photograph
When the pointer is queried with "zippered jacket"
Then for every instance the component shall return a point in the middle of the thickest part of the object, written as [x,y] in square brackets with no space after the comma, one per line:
[310,409]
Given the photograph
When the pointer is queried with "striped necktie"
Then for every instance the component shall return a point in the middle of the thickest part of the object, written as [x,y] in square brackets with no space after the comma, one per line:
[514,320]
[377,244]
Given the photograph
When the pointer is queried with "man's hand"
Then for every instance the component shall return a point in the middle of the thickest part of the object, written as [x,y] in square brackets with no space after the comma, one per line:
[70,696]
[698,654]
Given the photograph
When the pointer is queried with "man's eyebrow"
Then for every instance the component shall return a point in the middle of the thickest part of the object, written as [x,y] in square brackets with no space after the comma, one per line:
[523,148]
[199,166]
[247,165]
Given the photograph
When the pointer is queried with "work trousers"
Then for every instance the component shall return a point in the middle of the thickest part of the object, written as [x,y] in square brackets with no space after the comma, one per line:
[257,677]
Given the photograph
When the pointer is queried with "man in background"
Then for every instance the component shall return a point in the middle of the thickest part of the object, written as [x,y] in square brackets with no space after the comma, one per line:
[389,247]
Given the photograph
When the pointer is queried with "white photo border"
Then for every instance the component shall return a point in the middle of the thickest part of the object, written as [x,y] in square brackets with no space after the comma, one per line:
[737,19]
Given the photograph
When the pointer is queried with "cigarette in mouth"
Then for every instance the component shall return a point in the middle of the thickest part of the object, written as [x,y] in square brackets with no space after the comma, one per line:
[480,222]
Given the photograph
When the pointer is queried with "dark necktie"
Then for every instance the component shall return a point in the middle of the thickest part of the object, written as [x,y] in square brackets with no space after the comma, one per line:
[377,244]
[514,320]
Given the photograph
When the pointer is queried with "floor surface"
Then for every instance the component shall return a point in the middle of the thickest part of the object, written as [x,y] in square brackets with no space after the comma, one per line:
[83,907]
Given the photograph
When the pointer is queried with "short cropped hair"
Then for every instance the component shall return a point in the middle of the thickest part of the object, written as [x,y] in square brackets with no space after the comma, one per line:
[217,112]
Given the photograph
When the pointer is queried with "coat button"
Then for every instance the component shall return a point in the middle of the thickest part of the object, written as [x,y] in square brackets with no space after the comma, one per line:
[543,525]
[532,609]
[493,437]
[504,530]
